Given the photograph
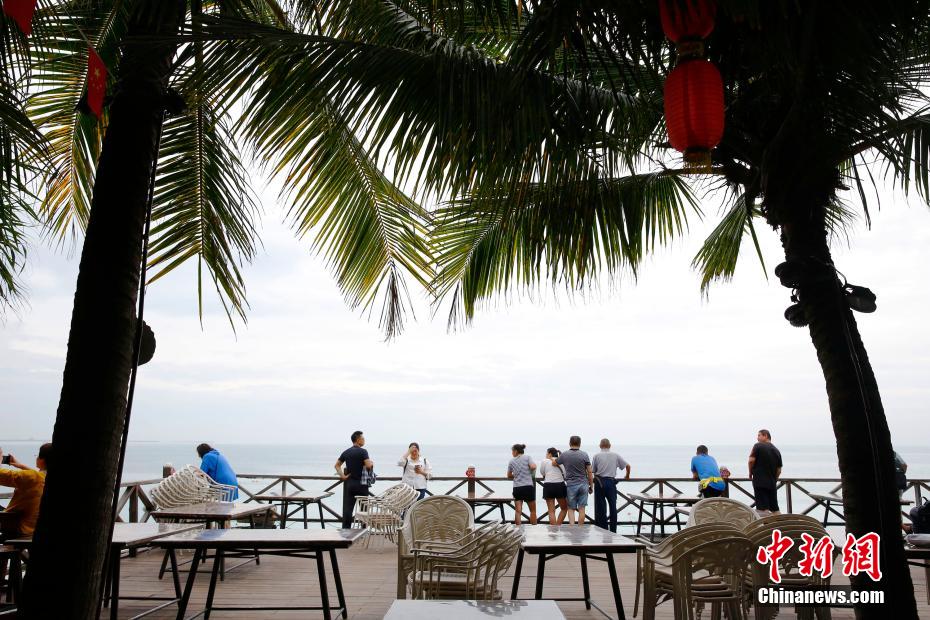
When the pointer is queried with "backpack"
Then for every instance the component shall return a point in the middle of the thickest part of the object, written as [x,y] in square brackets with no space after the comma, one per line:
[920,519]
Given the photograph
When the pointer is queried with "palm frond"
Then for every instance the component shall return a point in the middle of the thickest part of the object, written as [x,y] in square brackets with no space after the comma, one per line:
[204,206]
[369,231]
[565,234]
[450,118]
[60,67]
[716,260]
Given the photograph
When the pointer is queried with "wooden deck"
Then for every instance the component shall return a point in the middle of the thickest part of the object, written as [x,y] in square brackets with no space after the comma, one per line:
[369,577]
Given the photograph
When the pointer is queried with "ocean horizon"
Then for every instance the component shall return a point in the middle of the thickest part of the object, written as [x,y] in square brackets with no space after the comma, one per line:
[144,459]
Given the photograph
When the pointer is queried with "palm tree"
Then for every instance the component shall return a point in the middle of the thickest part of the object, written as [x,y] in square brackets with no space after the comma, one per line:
[96,180]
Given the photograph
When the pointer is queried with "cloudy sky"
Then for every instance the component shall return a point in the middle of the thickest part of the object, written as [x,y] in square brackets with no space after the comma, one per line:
[648,362]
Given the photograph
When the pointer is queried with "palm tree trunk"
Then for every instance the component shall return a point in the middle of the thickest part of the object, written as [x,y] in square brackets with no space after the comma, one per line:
[863,441]
[71,537]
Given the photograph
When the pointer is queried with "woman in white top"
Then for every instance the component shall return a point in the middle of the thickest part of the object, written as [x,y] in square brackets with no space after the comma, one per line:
[554,489]
[417,469]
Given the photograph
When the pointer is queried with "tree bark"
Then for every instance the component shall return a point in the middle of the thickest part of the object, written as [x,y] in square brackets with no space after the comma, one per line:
[71,537]
[863,441]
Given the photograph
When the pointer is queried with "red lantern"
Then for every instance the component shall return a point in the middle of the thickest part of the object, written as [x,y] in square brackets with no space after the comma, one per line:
[694,109]
[684,20]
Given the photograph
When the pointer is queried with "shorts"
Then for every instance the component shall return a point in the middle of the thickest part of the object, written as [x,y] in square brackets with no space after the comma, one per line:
[554,490]
[577,495]
[766,499]
[525,493]
[710,491]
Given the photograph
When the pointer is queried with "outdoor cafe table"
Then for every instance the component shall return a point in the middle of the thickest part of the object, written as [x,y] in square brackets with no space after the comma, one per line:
[489,501]
[301,498]
[310,544]
[586,542]
[657,504]
[214,514]
[476,610]
[827,499]
[132,536]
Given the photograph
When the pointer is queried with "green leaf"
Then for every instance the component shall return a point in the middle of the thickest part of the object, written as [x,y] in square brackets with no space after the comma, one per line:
[204,206]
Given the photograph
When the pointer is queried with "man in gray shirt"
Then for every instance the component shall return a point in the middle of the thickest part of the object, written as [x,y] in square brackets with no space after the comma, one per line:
[579,479]
[606,464]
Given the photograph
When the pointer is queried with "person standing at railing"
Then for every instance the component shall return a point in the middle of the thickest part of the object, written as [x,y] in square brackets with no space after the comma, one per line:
[705,470]
[554,490]
[218,468]
[522,471]
[355,459]
[605,466]
[764,470]
[579,479]
[416,469]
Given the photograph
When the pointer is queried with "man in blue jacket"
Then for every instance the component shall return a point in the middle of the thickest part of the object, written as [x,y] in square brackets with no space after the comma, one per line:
[217,467]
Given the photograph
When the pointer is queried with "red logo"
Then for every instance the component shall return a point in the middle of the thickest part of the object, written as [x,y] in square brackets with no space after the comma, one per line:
[860,555]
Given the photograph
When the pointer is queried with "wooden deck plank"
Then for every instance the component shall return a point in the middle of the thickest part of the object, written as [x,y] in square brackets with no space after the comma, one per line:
[369,578]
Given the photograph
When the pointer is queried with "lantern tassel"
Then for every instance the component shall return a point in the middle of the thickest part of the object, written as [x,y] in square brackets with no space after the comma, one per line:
[698,160]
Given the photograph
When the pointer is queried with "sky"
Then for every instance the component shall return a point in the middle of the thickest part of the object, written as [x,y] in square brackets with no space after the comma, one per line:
[648,362]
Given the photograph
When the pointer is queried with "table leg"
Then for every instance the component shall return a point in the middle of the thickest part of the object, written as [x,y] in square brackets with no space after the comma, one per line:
[107,584]
[174,573]
[306,525]
[339,592]
[826,512]
[677,516]
[652,528]
[114,581]
[283,514]
[319,505]
[584,581]
[662,518]
[324,591]
[258,560]
[540,575]
[516,575]
[164,565]
[615,585]
[503,518]
[189,586]
[639,520]
[217,562]
[16,578]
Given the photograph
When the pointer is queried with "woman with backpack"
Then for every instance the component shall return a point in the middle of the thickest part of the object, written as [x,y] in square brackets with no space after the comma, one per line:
[417,469]
[521,470]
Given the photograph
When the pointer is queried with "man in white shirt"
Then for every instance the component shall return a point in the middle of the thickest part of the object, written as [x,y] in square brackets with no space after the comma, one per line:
[605,465]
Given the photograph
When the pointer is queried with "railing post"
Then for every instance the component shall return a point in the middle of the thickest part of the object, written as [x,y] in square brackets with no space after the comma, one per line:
[471,487]
[788,492]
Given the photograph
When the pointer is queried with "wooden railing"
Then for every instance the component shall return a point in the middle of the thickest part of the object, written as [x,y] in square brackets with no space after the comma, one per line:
[135,505]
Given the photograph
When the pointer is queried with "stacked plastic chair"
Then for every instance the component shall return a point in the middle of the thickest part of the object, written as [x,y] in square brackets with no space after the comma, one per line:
[468,568]
[698,565]
[435,519]
[722,510]
[190,486]
[384,514]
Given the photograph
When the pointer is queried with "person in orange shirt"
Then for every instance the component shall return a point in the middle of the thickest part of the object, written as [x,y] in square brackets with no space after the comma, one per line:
[20,516]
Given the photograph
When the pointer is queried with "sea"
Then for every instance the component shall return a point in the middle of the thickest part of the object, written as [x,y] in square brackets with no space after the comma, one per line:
[144,459]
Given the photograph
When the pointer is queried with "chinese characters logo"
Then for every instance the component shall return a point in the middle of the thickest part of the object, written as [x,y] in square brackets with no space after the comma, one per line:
[860,555]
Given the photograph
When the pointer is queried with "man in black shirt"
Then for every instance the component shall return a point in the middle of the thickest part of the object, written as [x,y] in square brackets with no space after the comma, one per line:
[764,470]
[355,459]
